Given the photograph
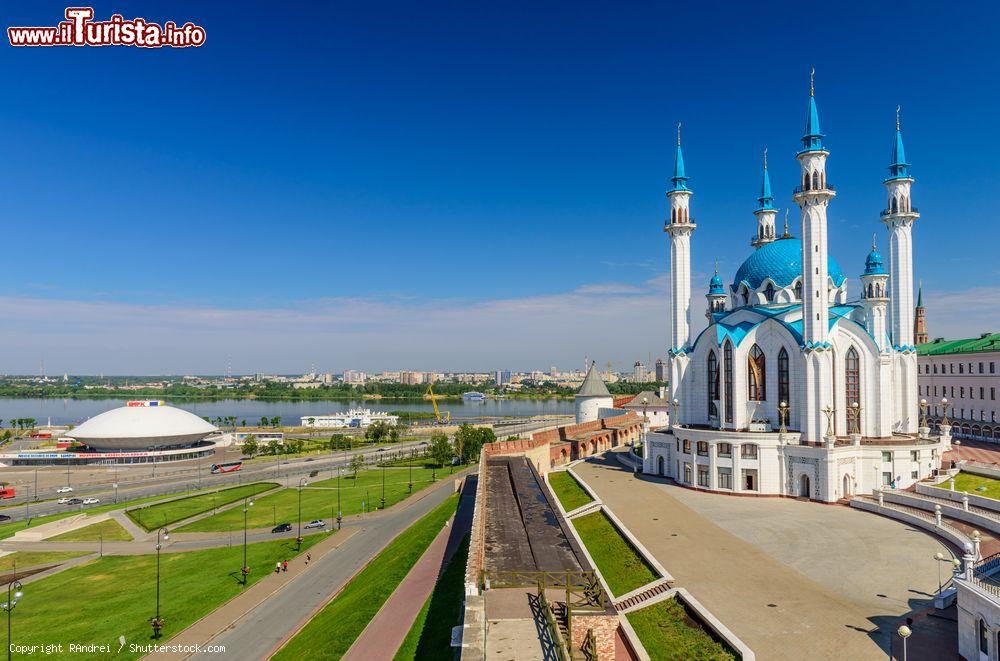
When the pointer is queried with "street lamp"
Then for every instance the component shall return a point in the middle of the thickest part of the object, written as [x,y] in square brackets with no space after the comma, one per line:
[157,621]
[115,485]
[340,470]
[14,592]
[383,486]
[944,411]
[409,465]
[940,558]
[298,539]
[245,570]
[904,633]
[923,412]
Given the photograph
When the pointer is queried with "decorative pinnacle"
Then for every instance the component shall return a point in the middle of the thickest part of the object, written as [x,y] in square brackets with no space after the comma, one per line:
[678,134]
[765,158]
[812,87]
[897,118]
[716,266]
[786,223]
[873,240]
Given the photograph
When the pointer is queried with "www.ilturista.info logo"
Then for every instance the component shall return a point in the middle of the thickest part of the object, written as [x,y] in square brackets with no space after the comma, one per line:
[80,29]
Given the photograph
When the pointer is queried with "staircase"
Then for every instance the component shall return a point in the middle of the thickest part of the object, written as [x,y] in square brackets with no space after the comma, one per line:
[637,599]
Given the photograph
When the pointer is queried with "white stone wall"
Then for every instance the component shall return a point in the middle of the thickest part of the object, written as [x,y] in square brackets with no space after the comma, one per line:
[588,408]
[974,605]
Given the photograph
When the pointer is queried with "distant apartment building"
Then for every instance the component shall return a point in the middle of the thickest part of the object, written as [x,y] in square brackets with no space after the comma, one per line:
[661,370]
[354,377]
[639,373]
[501,378]
[408,378]
[966,373]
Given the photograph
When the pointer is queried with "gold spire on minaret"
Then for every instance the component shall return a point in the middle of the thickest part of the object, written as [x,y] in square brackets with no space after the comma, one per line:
[786,235]
[812,87]
[897,117]
[678,134]
[873,241]
[765,158]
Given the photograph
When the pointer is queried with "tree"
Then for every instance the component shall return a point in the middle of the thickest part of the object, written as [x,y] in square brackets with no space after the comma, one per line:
[250,445]
[276,421]
[394,432]
[340,441]
[441,449]
[263,421]
[469,441]
[243,422]
[274,447]
[357,462]
[377,432]
[312,421]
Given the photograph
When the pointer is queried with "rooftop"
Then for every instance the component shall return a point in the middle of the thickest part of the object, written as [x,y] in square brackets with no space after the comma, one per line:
[941,346]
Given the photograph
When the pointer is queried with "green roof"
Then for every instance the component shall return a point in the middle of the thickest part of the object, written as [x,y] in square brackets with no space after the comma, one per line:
[941,346]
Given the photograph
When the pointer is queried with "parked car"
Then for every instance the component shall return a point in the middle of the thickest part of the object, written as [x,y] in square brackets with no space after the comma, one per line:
[318,523]
[63,501]
[282,527]
[75,501]
[313,473]
[4,517]
[91,501]
[64,490]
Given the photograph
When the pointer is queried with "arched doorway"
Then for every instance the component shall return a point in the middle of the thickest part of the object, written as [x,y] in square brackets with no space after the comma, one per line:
[847,486]
[659,465]
[804,486]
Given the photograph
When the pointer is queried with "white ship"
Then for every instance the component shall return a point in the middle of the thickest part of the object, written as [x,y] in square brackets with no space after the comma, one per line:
[473,396]
[352,418]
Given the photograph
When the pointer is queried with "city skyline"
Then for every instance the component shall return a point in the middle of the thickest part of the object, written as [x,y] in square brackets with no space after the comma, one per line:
[323,224]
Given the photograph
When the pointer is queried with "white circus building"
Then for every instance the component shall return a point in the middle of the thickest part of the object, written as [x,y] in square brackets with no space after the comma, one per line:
[796,388]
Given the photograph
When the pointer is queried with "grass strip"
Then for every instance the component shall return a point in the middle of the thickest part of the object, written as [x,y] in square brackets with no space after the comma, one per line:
[154,516]
[569,492]
[429,639]
[319,500]
[979,485]
[116,595]
[335,628]
[669,633]
[109,530]
[25,559]
[620,564]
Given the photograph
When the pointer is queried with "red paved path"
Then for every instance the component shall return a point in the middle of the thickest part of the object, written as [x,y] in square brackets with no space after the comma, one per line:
[387,630]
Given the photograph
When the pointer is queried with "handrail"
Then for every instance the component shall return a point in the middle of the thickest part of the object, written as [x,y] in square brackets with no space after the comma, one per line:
[589,648]
[889,212]
[562,651]
[800,189]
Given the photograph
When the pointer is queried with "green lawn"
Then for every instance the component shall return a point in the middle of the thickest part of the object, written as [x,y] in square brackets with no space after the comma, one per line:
[568,490]
[319,500]
[116,595]
[111,531]
[429,639]
[25,559]
[620,564]
[970,483]
[10,528]
[164,514]
[335,628]
[668,632]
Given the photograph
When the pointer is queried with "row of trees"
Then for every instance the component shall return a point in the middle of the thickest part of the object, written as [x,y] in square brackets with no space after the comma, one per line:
[251,446]
[20,423]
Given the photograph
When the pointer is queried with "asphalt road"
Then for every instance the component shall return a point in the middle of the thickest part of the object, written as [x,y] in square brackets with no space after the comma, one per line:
[257,634]
[288,471]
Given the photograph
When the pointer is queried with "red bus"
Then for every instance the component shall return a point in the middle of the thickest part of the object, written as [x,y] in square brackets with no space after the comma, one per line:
[41,434]
[230,467]
[6,492]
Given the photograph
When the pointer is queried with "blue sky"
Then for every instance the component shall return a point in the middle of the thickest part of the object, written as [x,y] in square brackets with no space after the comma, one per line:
[459,185]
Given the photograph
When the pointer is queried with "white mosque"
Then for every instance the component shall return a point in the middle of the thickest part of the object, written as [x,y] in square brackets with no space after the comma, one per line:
[794,389]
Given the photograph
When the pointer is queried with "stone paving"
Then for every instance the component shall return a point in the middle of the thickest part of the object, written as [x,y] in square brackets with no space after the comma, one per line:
[793,580]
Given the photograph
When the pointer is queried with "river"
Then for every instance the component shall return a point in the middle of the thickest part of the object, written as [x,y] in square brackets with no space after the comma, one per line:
[74,411]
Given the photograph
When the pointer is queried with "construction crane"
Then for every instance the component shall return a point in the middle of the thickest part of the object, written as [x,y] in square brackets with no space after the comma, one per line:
[439,417]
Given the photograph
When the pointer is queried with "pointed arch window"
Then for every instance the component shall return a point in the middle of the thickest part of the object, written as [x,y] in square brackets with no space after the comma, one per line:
[769,293]
[852,388]
[727,359]
[712,374]
[745,293]
[798,290]
[784,381]
[756,375]
[815,181]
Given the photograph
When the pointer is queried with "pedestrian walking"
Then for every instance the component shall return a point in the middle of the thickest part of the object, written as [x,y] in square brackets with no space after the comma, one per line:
[277,568]
[308,557]
[284,566]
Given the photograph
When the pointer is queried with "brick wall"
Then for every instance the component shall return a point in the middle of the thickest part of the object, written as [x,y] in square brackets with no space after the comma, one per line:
[604,627]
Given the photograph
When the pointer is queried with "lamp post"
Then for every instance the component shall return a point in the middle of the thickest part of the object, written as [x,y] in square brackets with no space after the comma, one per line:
[783,417]
[340,470]
[298,538]
[923,412]
[115,486]
[27,513]
[383,486]
[904,633]
[944,411]
[674,421]
[245,570]
[157,621]
[939,557]
[409,465]
[14,592]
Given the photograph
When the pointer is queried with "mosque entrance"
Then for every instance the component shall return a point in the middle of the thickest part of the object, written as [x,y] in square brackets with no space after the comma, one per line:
[847,486]
[804,487]
[659,465]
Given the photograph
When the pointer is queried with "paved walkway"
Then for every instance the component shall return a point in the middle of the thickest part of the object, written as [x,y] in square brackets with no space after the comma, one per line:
[387,630]
[756,580]
[210,626]
[266,627]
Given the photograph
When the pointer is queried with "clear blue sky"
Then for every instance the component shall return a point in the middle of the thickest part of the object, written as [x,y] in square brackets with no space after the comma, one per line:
[367,185]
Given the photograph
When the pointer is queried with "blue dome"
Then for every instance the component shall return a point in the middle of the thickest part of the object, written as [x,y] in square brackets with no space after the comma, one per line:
[781,261]
[873,264]
[715,285]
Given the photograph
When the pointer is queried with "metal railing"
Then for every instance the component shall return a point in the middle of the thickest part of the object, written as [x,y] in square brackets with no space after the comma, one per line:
[889,212]
[810,189]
